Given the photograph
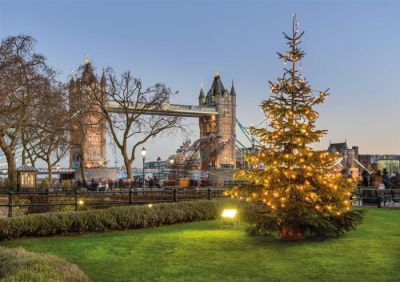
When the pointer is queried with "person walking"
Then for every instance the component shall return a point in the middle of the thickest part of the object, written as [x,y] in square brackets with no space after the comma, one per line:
[365,176]
[386,179]
[395,180]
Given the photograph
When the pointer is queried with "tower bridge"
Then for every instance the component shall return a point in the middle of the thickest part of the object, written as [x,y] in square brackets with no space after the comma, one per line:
[216,112]
[167,109]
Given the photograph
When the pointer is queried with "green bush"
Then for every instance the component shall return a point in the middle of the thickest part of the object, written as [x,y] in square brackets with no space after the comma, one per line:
[6,184]
[44,184]
[67,185]
[116,218]
[20,265]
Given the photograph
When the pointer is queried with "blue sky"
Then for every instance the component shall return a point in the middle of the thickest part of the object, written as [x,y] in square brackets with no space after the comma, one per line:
[352,48]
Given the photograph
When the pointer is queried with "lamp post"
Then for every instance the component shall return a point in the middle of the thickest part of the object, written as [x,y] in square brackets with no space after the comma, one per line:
[143,152]
[159,169]
[171,161]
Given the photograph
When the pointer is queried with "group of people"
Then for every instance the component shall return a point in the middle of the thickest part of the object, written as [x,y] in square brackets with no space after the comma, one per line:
[120,183]
[381,180]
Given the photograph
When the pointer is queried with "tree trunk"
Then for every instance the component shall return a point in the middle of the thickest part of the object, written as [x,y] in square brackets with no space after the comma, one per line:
[290,233]
[82,163]
[12,166]
[82,170]
[128,167]
[23,155]
[50,170]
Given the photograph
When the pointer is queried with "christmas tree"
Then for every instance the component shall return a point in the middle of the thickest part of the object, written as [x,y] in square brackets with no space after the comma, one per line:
[293,189]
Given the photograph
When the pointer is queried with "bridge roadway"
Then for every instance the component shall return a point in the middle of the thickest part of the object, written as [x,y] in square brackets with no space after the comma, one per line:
[166,109]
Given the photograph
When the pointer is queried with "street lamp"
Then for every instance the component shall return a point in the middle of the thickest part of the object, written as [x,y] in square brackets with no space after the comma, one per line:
[171,162]
[143,152]
[159,169]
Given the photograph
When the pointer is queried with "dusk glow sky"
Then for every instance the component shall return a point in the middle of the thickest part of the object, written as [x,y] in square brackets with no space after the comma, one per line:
[352,48]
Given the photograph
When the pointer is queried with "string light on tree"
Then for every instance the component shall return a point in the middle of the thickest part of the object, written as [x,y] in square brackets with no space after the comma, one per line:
[297,193]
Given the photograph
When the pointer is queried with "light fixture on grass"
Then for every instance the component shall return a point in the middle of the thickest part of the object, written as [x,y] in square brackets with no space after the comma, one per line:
[229,218]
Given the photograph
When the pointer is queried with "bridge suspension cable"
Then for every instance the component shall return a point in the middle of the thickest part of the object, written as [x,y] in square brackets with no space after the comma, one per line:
[241,145]
[247,134]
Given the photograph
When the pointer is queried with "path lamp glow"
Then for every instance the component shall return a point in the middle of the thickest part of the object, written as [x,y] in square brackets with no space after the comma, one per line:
[143,152]
[229,218]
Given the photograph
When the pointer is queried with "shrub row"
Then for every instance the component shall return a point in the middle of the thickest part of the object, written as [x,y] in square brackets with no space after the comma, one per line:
[20,265]
[116,218]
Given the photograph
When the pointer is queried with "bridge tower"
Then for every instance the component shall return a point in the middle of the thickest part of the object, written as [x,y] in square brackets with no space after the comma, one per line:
[221,152]
[88,133]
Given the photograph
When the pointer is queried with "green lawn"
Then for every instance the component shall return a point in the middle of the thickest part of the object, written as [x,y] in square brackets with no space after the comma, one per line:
[202,251]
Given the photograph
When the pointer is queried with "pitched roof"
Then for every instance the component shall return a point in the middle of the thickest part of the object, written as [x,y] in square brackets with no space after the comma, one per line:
[27,168]
[103,80]
[201,95]
[217,88]
[337,147]
[233,92]
[72,84]
[88,75]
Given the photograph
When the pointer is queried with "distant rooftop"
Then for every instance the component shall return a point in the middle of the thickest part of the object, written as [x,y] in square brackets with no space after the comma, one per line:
[337,147]
[27,168]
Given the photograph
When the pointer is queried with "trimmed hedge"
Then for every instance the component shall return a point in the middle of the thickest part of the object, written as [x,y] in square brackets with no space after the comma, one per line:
[116,218]
[20,265]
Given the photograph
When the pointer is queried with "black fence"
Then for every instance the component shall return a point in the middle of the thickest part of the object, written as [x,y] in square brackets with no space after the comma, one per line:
[378,197]
[59,200]
[36,202]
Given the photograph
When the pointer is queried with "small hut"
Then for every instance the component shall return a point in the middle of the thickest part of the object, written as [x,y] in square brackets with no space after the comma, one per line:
[26,177]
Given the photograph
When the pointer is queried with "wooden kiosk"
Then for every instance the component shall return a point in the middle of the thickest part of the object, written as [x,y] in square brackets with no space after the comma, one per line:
[26,177]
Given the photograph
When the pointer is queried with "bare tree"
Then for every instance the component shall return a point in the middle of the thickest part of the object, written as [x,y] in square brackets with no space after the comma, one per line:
[23,73]
[50,140]
[28,138]
[189,151]
[125,106]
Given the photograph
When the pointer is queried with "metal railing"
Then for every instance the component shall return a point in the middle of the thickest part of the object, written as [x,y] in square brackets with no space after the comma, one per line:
[371,195]
[81,200]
